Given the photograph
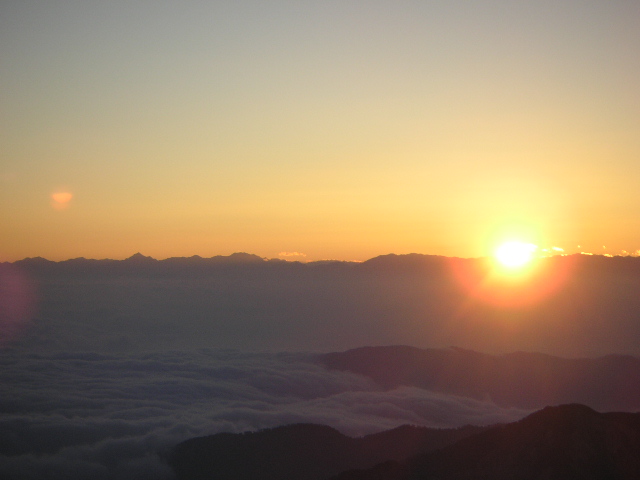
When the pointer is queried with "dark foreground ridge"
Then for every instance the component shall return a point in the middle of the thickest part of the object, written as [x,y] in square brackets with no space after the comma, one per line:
[521,379]
[302,452]
[568,442]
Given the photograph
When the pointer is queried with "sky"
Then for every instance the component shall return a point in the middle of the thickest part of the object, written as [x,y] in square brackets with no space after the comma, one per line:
[315,130]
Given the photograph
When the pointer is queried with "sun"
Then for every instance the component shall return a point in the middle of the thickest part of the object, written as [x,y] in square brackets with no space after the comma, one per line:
[514,255]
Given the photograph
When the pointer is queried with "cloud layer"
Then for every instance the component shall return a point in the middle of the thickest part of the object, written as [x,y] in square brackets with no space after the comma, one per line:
[105,416]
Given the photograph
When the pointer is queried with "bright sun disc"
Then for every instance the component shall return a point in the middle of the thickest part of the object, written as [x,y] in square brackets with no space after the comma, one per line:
[515,254]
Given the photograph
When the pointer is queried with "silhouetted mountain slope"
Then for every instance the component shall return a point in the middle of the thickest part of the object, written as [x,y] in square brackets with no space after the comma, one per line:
[301,452]
[413,263]
[569,442]
[141,265]
[524,380]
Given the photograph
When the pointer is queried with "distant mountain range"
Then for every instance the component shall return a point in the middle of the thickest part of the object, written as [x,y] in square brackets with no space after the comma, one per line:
[382,264]
[568,442]
[136,263]
[523,380]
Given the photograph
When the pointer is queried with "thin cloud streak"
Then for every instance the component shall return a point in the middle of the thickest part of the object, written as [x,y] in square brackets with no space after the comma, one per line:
[292,254]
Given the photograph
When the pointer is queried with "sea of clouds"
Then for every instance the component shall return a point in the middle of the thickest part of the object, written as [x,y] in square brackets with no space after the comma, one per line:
[108,372]
[89,415]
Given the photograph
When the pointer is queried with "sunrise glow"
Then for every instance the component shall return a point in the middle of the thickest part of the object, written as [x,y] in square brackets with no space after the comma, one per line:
[253,129]
[218,219]
[515,254]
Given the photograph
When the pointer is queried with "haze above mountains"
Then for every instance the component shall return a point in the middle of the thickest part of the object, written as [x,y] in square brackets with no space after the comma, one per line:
[567,305]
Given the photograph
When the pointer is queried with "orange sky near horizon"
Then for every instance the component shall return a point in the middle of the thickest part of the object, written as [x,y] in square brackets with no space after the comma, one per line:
[337,130]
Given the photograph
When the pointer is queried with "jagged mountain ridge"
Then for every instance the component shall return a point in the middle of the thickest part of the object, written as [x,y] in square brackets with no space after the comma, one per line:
[383,264]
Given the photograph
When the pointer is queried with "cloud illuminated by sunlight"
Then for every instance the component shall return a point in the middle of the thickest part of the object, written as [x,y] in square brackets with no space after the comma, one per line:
[292,254]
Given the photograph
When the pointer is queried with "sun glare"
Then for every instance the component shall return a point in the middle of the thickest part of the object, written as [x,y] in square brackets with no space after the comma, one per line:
[515,254]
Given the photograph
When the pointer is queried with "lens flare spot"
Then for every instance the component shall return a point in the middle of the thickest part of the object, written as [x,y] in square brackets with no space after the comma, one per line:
[17,302]
[61,199]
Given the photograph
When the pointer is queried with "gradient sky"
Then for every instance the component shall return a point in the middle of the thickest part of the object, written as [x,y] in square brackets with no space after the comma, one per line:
[337,129]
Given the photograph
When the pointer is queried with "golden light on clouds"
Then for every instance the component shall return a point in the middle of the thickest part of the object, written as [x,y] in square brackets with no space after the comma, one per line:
[292,254]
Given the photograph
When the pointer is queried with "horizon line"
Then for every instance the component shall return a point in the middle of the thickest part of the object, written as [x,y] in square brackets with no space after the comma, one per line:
[139,255]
